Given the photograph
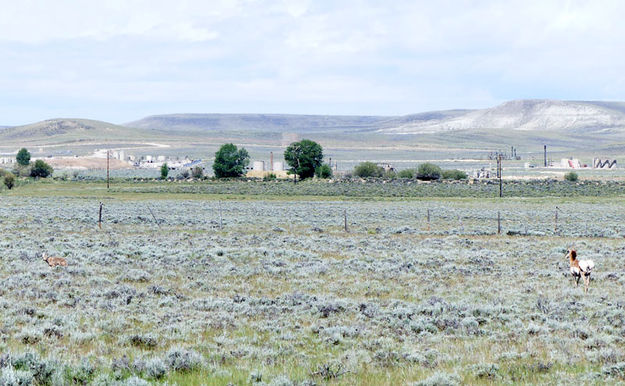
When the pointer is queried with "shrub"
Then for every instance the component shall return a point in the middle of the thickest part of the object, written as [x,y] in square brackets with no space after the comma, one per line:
[197,172]
[22,171]
[155,368]
[485,370]
[23,157]
[571,176]
[368,169]
[407,173]
[9,180]
[323,171]
[269,177]
[81,374]
[390,174]
[440,379]
[147,341]
[183,360]
[454,174]
[42,370]
[164,170]
[184,173]
[41,169]
[429,171]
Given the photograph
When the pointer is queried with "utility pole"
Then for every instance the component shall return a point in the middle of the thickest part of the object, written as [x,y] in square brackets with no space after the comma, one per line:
[499,172]
[108,153]
[545,148]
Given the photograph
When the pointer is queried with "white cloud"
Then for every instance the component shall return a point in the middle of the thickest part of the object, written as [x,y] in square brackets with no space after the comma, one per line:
[305,56]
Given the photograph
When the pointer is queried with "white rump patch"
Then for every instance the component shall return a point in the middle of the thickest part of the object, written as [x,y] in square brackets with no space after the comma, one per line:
[586,265]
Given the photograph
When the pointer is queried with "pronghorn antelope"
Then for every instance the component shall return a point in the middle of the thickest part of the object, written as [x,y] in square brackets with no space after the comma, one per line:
[580,268]
[53,261]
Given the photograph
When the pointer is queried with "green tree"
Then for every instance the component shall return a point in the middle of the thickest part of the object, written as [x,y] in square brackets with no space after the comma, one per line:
[429,171]
[304,157]
[41,169]
[230,161]
[164,170]
[9,180]
[368,169]
[323,171]
[23,157]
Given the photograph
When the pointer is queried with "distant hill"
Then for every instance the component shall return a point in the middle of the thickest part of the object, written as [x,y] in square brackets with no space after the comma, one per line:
[67,129]
[527,124]
[579,117]
[259,122]
[573,117]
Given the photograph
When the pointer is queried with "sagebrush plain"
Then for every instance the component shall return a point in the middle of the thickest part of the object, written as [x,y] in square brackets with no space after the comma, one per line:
[185,288]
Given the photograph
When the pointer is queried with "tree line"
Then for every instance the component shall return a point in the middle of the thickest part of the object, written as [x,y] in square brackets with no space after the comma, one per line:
[304,157]
[25,168]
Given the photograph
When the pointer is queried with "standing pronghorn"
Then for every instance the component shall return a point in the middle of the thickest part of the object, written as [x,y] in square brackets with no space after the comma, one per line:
[53,261]
[580,268]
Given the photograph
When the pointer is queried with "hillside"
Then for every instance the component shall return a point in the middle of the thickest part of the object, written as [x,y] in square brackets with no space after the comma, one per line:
[571,117]
[593,127]
[68,129]
[180,123]
[537,117]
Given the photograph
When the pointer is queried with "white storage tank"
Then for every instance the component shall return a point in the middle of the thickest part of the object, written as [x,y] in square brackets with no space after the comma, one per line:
[160,158]
[258,166]
[278,166]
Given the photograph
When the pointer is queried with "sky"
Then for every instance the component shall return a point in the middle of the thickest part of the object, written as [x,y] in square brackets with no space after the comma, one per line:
[121,60]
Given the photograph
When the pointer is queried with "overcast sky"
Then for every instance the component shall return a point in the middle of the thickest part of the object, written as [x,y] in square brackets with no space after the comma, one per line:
[122,60]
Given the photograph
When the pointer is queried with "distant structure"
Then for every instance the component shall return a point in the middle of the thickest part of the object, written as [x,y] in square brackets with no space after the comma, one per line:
[599,163]
[7,160]
[494,155]
[570,163]
[482,173]
[261,169]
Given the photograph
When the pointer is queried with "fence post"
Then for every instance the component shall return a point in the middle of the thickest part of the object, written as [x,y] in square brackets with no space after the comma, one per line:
[461,226]
[100,216]
[498,222]
[345,216]
[428,219]
[556,220]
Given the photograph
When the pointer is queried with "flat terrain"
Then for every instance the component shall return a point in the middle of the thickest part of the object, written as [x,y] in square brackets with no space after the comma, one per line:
[212,287]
